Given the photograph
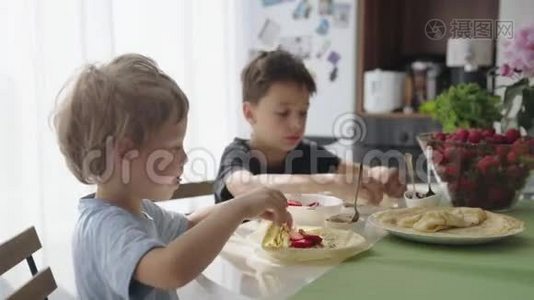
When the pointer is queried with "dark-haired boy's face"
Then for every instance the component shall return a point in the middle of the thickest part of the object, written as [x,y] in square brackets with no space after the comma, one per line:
[279,118]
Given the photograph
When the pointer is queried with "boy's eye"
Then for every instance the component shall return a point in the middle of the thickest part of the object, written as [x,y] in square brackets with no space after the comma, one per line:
[176,149]
[282,113]
[303,113]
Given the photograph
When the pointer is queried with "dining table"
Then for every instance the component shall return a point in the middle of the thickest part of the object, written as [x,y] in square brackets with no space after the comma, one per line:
[400,269]
[392,268]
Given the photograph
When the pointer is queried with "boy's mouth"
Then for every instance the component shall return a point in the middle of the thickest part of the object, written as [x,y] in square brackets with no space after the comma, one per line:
[293,138]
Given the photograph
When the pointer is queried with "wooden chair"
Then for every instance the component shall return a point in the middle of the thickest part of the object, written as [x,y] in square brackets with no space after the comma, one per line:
[17,249]
[194,189]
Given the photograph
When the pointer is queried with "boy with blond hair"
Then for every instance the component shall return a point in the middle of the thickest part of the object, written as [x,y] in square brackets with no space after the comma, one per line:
[121,126]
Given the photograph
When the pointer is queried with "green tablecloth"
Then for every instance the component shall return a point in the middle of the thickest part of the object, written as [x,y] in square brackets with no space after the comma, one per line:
[398,269]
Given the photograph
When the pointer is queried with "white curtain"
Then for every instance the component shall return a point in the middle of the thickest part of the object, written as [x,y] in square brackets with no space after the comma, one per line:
[198,42]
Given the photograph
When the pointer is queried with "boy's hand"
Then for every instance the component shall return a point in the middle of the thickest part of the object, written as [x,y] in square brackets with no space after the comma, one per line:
[266,203]
[376,182]
[389,180]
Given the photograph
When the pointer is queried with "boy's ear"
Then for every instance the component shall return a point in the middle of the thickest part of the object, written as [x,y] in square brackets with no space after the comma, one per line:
[124,148]
[248,112]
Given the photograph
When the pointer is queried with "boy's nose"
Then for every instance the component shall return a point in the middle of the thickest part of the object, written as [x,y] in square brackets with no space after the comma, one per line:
[296,124]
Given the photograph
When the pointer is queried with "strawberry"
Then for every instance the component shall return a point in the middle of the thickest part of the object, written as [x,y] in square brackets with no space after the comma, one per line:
[499,197]
[303,243]
[486,164]
[512,135]
[440,136]
[294,203]
[451,172]
[475,136]
[499,139]
[461,135]
[438,157]
[512,157]
[520,147]
[502,151]
[467,185]
[311,237]
[514,172]
[450,153]
[530,143]
[488,133]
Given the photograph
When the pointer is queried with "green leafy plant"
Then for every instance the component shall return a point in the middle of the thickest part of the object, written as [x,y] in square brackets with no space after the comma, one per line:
[464,106]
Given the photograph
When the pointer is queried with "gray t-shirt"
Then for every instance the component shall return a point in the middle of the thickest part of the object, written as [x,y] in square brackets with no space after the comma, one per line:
[109,242]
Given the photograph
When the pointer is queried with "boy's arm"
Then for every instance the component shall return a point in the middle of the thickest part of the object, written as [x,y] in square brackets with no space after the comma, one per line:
[242,181]
[183,259]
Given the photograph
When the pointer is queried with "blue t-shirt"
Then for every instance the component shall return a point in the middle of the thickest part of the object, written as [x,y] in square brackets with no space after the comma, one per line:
[109,242]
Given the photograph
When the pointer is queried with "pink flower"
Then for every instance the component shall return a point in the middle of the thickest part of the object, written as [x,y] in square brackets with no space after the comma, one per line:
[506,70]
[519,53]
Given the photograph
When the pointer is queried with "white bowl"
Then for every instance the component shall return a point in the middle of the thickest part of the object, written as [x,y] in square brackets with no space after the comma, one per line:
[431,201]
[313,216]
[340,221]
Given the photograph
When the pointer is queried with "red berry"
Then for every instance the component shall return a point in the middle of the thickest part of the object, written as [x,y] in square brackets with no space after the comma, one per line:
[495,194]
[487,163]
[294,203]
[303,243]
[520,147]
[461,135]
[475,137]
[512,157]
[467,185]
[311,237]
[488,133]
[440,136]
[499,139]
[438,157]
[514,172]
[450,153]
[451,172]
[502,151]
[512,135]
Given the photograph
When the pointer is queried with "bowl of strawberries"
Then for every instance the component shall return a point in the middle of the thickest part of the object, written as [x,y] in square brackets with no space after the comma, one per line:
[480,168]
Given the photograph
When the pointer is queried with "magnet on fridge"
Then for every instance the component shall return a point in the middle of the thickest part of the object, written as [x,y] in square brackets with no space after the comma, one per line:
[324,47]
[269,32]
[303,10]
[333,74]
[334,57]
[326,7]
[323,27]
[341,14]
[273,2]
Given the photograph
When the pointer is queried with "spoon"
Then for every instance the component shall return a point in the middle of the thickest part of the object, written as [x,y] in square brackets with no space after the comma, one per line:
[409,164]
[356,213]
[428,175]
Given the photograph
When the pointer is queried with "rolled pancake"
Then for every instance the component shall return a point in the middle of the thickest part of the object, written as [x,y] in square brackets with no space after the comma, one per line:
[457,220]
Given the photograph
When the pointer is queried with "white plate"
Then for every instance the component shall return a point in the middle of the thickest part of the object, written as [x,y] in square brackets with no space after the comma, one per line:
[348,243]
[443,238]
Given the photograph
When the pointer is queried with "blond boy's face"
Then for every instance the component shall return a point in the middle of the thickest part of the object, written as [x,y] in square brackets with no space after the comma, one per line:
[155,173]
[279,118]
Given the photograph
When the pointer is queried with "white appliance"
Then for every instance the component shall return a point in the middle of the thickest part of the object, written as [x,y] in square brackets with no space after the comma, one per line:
[383,91]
